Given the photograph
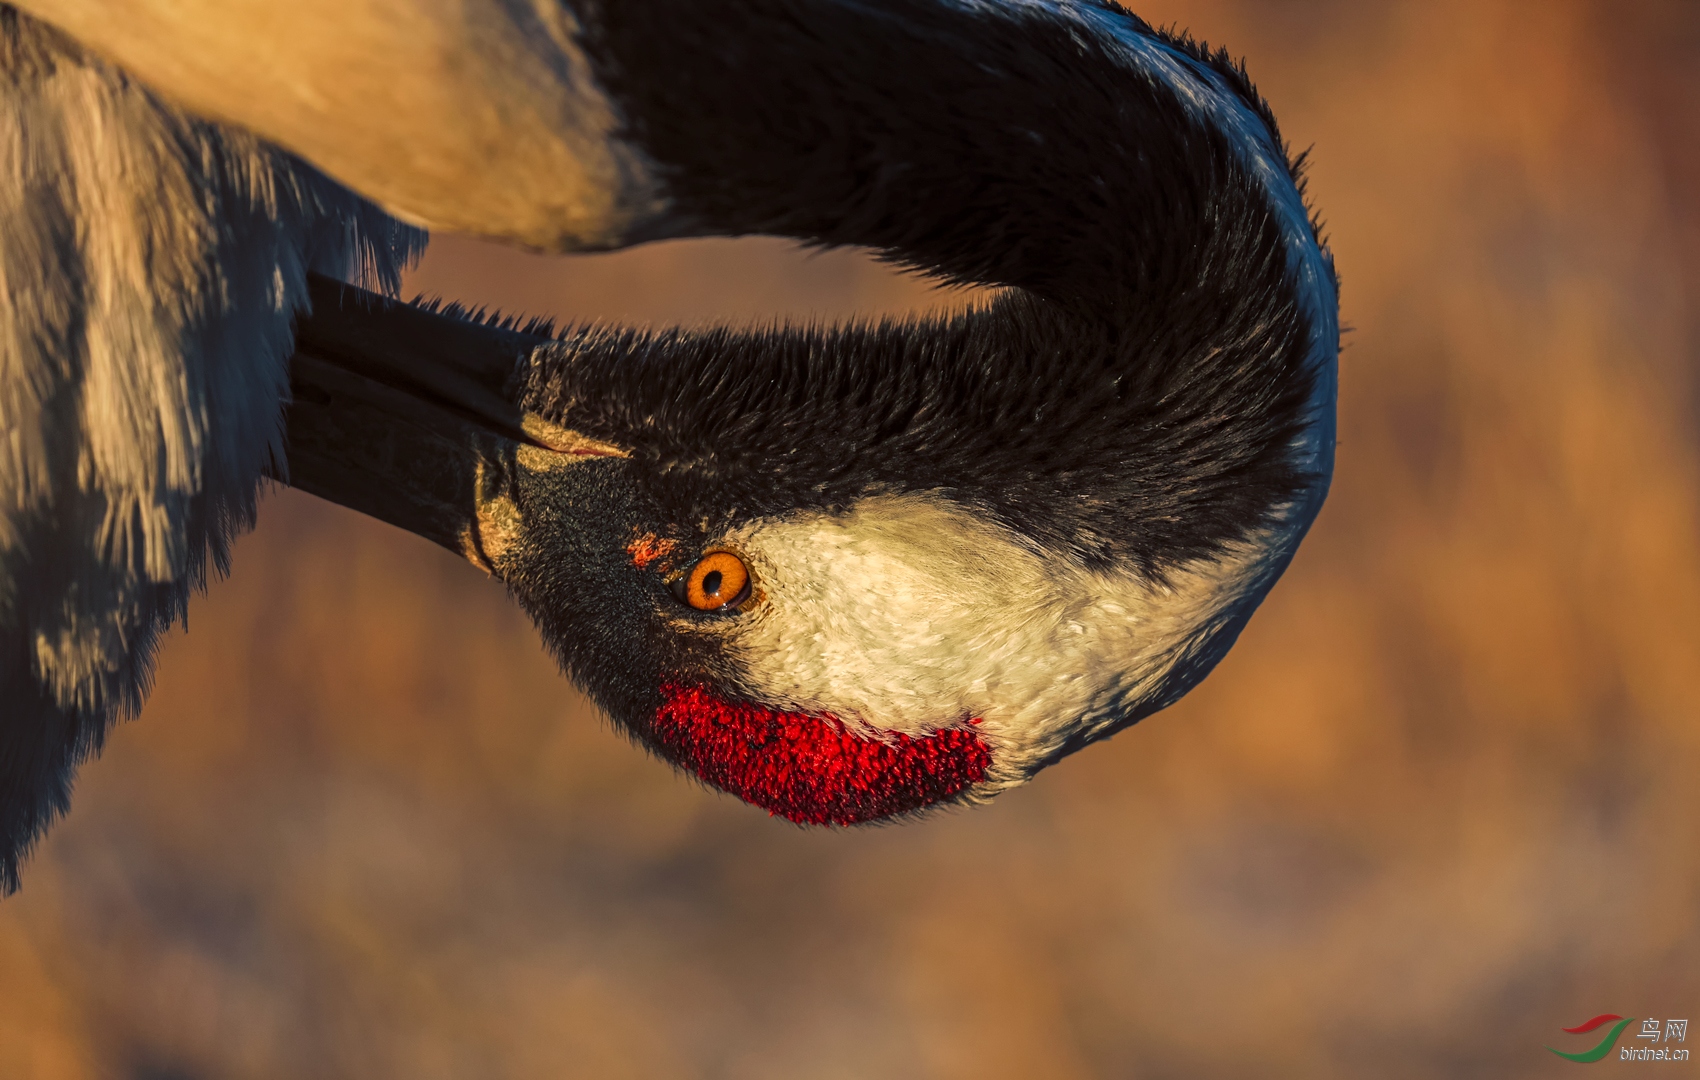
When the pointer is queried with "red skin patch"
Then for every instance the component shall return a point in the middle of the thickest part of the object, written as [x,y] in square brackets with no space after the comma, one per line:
[649,547]
[810,768]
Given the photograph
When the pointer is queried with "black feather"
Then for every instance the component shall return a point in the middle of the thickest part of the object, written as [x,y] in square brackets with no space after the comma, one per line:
[1133,395]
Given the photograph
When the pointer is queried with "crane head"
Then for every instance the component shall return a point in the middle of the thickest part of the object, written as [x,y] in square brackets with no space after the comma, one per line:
[834,598]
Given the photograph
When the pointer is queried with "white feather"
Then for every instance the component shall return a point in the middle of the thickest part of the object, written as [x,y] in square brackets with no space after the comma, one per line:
[149,273]
[908,614]
[477,116]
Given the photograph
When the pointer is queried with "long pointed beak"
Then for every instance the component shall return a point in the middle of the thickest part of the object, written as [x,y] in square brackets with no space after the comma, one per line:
[411,416]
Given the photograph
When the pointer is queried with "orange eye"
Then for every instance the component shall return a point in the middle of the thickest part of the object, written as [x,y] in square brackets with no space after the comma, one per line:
[720,579]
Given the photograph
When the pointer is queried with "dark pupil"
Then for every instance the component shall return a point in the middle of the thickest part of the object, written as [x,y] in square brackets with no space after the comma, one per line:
[711,582]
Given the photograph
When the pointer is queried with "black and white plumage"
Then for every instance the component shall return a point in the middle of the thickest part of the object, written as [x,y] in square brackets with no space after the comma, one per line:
[150,266]
[973,545]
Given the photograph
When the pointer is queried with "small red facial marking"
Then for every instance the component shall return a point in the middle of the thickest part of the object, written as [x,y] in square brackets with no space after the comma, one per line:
[810,768]
[649,547]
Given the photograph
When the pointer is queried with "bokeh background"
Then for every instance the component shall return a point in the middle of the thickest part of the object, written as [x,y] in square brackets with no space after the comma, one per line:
[1443,799]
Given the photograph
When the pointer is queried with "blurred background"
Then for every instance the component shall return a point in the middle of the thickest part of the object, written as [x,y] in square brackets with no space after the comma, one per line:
[1442,800]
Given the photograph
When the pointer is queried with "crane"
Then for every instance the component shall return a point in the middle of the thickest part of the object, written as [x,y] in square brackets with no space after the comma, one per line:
[845,573]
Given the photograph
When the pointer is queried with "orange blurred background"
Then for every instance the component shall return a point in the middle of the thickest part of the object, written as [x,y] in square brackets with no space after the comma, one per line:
[1442,800]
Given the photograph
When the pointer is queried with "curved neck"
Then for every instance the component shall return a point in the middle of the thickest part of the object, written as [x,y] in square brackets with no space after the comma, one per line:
[1063,148]
[1161,380]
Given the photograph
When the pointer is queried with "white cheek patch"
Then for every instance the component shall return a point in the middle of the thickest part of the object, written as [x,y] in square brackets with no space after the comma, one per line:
[909,613]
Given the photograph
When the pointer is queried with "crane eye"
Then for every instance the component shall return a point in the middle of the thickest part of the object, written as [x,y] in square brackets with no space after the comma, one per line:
[718,581]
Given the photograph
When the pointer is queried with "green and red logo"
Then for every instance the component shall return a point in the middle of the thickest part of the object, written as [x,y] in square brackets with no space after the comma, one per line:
[1618,1023]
